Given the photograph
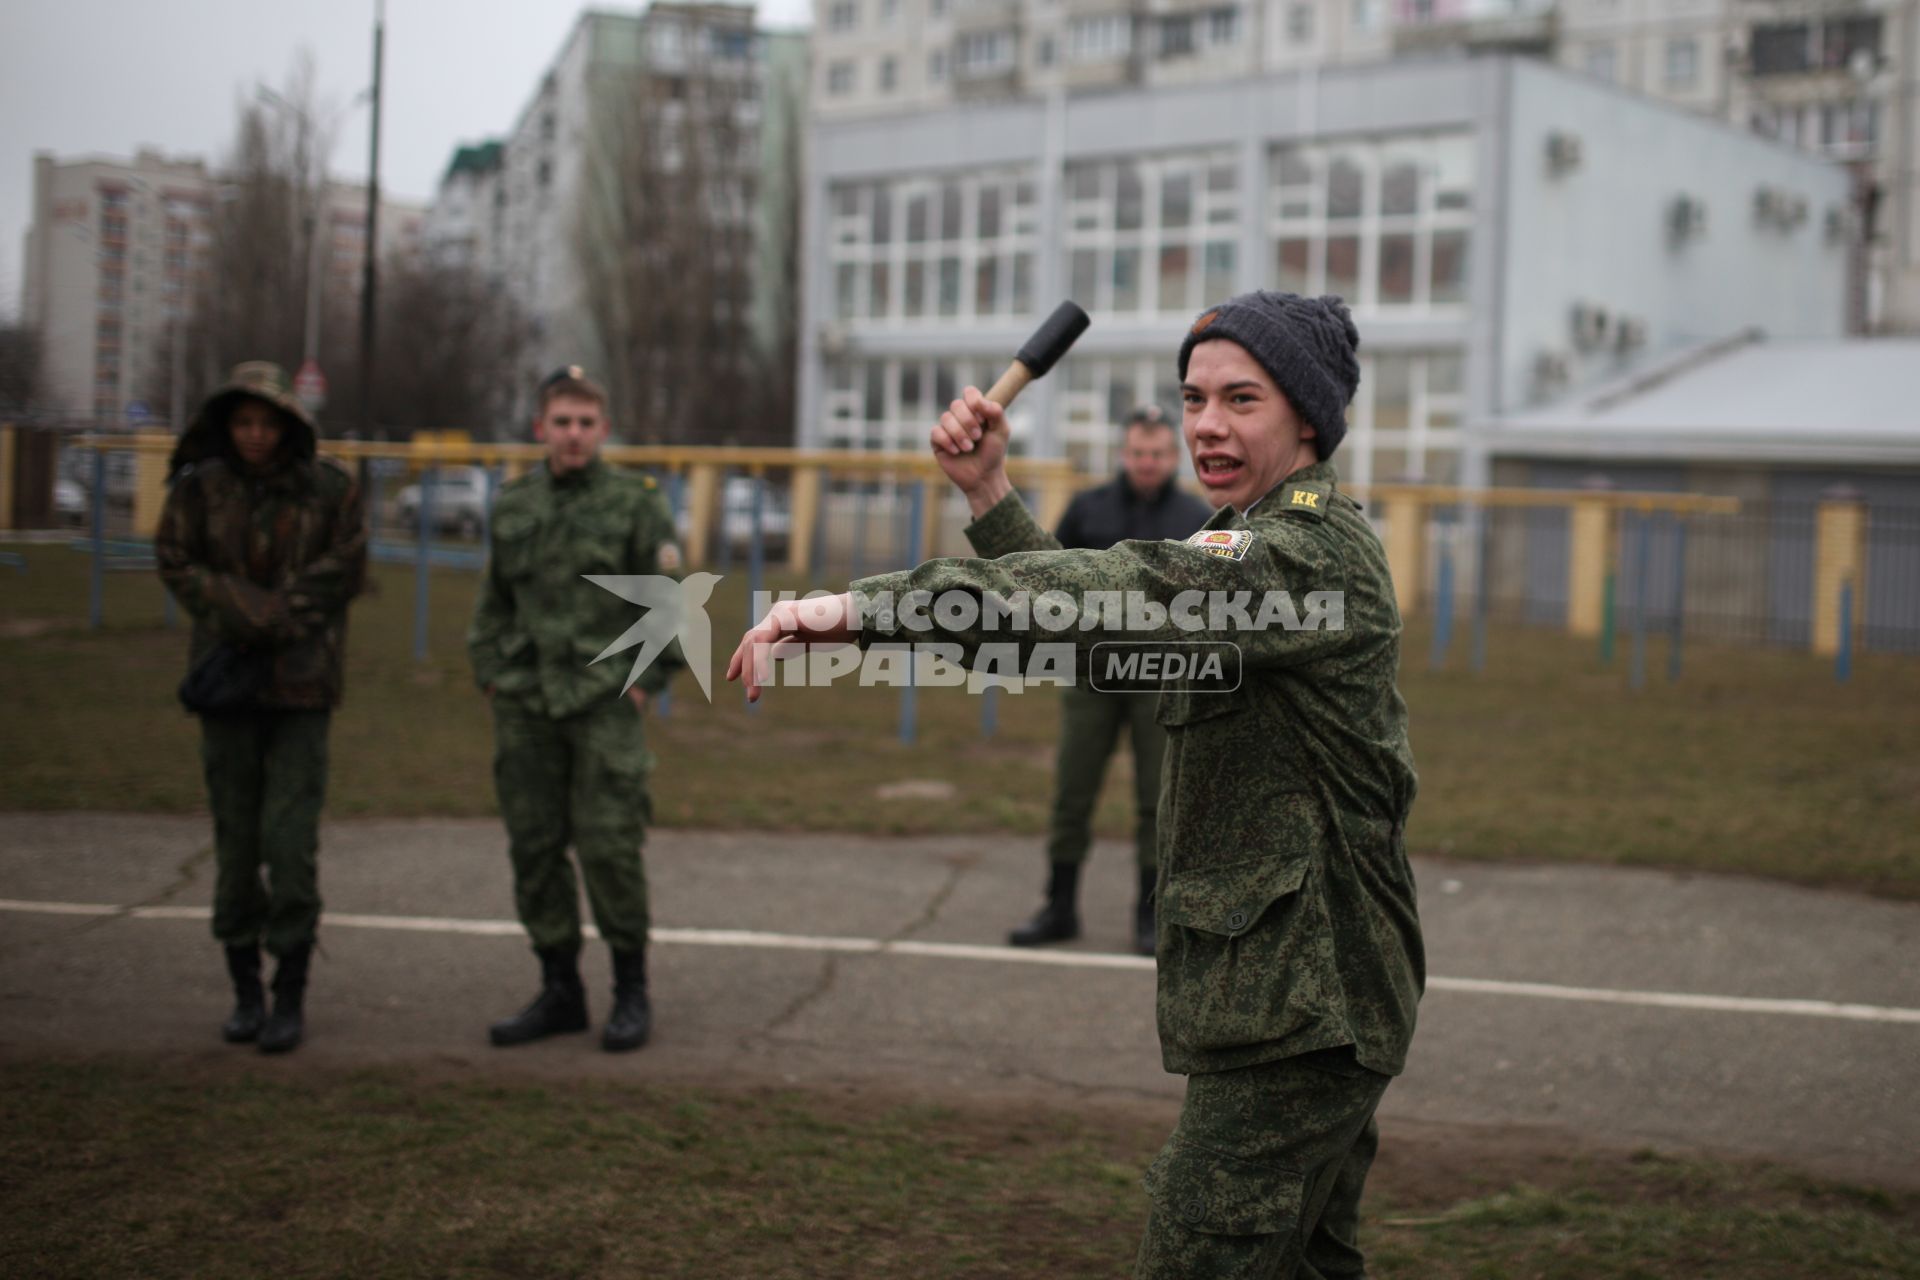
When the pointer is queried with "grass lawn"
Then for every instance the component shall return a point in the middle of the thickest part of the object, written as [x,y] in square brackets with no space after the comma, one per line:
[124,1167]
[1755,761]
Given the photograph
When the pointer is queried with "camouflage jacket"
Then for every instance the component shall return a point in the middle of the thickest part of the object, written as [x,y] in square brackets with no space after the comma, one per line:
[538,623]
[1287,915]
[268,561]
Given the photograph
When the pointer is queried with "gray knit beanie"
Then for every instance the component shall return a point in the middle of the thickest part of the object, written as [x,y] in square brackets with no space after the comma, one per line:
[1308,346]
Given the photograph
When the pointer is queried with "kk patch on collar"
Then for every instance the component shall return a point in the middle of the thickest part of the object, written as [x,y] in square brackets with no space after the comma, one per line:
[1228,544]
[1306,499]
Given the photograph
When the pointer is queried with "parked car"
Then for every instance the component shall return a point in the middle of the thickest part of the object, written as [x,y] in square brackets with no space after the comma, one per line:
[736,517]
[461,496]
[69,502]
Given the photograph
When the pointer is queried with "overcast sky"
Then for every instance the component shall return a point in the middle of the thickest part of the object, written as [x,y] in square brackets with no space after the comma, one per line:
[106,77]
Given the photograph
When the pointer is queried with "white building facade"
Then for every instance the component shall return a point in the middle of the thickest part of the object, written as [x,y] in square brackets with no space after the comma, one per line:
[1840,78]
[1504,231]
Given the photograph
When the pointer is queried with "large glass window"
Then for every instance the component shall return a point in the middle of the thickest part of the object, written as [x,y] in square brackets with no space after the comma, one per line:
[888,404]
[923,248]
[1405,423]
[1099,393]
[1153,234]
[1384,223]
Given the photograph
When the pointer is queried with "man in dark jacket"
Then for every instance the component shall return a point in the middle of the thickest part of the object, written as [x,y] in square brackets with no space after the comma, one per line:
[264,543]
[1143,501]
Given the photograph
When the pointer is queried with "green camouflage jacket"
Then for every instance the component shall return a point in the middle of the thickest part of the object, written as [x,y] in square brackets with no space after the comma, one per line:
[538,623]
[268,561]
[1287,915]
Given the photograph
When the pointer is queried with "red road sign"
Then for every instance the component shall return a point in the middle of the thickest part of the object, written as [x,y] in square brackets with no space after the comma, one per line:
[310,385]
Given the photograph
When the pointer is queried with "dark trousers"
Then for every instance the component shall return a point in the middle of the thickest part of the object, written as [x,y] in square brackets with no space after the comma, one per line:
[579,780]
[266,777]
[1262,1177]
[1090,725]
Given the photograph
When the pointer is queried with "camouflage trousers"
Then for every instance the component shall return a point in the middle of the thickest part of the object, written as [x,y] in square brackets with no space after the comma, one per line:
[1263,1174]
[266,777]
[579,780]
[1090,725]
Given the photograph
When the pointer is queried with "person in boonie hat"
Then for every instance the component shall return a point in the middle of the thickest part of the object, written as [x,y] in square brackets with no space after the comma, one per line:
[264,544]
[284,434]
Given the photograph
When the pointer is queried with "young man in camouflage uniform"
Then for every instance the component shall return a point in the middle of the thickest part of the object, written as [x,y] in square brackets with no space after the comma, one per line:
[1290,957]
[264,543]
[570,755]
[1143,501]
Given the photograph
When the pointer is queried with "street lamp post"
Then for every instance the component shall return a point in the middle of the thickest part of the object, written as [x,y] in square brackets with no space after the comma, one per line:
[313,220]
[370,278]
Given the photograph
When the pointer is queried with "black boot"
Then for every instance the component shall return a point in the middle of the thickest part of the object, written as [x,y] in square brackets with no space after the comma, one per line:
[1143,921]
[1059,919]
[560,1006]
[285,1024]
[632,1018]
[249,998]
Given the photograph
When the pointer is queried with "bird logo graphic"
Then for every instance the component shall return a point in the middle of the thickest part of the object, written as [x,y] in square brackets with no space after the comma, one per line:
[676,610]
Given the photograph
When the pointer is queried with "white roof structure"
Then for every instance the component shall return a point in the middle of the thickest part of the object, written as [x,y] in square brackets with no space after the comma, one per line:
[1743,399]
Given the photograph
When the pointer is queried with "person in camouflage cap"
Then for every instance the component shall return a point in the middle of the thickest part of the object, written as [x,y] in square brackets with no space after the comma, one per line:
[570,754]
[1289,949]
[264,543]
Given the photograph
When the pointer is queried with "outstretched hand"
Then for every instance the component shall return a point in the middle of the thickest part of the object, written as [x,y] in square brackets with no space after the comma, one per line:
[789,625]
[970,443]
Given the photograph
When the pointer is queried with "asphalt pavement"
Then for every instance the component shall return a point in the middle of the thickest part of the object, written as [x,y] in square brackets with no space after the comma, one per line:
[1615,1007]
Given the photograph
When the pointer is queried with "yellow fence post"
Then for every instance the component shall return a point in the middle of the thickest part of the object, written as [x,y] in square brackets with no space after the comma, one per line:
[1588,550]
[7,434]
[933,500]
[804,504]
[1406,548]
[149,482]
[1839,556]
[703,490]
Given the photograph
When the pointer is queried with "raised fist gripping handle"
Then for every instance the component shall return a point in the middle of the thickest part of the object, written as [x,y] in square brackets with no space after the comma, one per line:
[1041,352]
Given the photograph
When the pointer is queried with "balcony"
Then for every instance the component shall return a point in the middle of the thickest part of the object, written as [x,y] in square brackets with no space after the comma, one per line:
[985,15]
[1503,26]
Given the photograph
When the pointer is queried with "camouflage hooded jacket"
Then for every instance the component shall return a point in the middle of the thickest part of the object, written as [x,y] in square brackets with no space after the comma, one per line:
[267,561]
[1287,916]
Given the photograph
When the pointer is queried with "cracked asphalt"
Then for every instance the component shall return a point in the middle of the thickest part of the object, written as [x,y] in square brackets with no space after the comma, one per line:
[1829,1094]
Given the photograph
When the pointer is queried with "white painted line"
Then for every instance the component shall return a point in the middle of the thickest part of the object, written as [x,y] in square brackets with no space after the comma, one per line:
[1013,955]
[1680,1000]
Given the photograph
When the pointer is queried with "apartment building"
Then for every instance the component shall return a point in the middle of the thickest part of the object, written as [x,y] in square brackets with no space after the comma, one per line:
[119,250]
[890,55]
[464,226]
[515,206]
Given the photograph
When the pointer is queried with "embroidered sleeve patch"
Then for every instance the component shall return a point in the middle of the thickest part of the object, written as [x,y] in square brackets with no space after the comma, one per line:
[1228,544]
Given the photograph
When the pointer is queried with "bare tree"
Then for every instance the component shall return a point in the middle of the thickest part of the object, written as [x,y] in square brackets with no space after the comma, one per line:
[20,370]
[663,246]
[268,207]
[778,276]
[454,352]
